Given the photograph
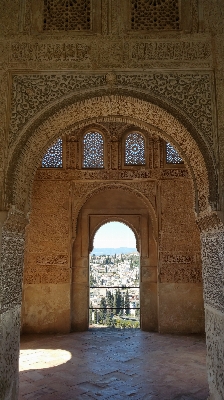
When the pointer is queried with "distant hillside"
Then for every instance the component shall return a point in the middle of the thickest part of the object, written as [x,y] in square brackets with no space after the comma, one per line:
[111,251]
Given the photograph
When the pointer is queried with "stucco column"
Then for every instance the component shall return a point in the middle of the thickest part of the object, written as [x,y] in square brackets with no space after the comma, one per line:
[12,230]
[212,238]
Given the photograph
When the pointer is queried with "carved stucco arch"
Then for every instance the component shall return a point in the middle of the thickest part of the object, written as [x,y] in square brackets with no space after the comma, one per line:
[100,187]
[114,218]
[133,110]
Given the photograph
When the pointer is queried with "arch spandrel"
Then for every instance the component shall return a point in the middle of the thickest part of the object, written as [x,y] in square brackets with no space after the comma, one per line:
[128,109]
[99,188]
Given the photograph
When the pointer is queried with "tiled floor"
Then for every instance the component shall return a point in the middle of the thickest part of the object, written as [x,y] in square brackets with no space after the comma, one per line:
[113,364]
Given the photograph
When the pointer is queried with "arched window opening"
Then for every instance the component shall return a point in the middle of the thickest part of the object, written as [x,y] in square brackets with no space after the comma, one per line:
[172,155]
[114,295]
[53,156]
[93,150]
[134,149]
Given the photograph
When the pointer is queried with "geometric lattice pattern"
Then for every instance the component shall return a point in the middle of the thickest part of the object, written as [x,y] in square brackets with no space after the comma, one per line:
[134,149]
[172,156]
[93,150]
[53,157]
[154,14]
[66,15]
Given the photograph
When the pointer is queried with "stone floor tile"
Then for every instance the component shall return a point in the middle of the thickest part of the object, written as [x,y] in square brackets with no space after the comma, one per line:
[113,364]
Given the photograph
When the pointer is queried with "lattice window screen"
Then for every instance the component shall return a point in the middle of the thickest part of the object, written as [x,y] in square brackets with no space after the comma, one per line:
[93,150]
[172,156]
[154,14]
[134,149]
[53,157]
[66,15]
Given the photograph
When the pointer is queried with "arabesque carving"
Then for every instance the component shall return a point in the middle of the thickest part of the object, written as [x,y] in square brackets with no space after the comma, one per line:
[12,254]
[189,92]
[213,270]
[215,350]
[180,89]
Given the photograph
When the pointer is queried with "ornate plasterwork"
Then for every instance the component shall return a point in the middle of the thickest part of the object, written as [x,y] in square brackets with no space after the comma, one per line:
[9,352]
[215,351]
[112,174]
[188,92]
[213,267]
[12,255]
[112,52]
[46,274]
[191,91]
[180,267]
[34,92]
[129,109]
[180,274]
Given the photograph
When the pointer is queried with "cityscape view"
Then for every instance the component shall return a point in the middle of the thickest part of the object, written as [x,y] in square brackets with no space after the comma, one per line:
[114,299]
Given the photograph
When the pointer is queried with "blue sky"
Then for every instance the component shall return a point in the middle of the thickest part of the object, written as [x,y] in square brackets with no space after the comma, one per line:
[114,234]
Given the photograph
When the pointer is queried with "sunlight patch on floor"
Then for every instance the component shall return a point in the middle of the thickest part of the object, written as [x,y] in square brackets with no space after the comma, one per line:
[42,358]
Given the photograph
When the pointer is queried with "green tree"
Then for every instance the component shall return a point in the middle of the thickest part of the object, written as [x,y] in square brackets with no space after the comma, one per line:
[92,280]
[103,310]
[127,303]
[95,317]
[91,314]
[110,299]
[117,302]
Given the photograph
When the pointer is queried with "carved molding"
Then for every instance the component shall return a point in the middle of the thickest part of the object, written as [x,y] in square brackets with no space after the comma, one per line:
[104,52]
[123,175]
